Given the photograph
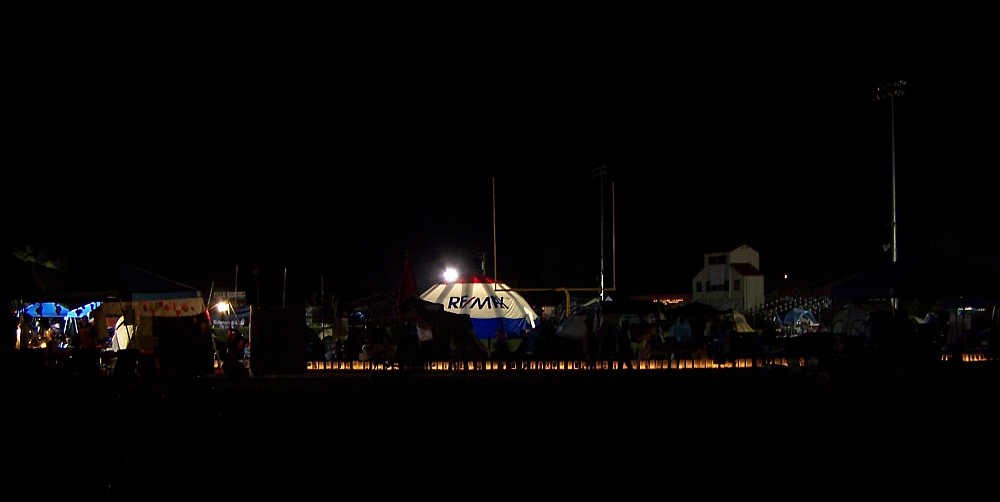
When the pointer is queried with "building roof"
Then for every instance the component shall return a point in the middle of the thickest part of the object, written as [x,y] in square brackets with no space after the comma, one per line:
[745,269]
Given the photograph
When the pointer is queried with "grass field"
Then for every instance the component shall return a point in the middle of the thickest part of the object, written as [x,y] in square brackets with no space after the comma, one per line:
[486,435]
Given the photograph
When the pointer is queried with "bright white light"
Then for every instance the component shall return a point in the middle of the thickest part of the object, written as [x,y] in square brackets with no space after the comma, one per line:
[222,307]
[450,274]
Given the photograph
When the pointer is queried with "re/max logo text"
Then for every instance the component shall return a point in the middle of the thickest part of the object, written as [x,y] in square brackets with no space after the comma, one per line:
[464,302]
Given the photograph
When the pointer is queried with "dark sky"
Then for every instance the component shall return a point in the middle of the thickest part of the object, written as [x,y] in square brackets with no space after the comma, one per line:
[319,145]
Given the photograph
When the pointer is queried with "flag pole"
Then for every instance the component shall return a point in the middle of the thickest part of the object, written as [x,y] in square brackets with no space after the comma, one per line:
[407,285]
[495,229]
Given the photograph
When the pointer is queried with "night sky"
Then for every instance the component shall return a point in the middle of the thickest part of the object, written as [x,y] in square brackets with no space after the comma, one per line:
[320,145]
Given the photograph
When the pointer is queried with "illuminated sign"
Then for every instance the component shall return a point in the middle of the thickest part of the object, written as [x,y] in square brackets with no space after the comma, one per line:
[229,294]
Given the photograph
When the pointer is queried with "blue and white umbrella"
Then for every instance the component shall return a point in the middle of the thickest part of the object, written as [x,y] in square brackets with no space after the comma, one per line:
[491,305]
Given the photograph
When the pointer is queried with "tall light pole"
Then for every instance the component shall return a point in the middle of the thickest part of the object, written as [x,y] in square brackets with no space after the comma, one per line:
[599,172]
[890,91]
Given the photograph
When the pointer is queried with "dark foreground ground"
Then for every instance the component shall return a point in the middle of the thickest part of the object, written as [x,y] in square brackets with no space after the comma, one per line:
[475,436]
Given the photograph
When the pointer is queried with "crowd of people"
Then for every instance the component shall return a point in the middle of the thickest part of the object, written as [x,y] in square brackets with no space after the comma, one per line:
[80,345]
[46,333]
[70,344]
[682,337]
[234,354]
[620,343]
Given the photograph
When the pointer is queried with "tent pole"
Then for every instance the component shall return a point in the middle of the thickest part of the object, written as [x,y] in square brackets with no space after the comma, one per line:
[250,331]
[211,291]
[208,314]
[128,335]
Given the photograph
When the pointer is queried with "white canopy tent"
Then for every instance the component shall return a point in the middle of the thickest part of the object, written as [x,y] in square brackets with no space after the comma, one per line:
[150,296]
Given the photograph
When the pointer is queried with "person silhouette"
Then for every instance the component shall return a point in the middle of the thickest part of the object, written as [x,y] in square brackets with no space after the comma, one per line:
[501,351]
[86,352]
[623,347]
[86,337]
[591,344]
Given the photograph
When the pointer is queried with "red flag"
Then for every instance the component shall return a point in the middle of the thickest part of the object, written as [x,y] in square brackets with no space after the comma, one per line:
[407,286]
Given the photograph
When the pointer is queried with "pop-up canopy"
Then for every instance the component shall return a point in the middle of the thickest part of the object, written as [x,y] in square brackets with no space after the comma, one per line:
[492,305]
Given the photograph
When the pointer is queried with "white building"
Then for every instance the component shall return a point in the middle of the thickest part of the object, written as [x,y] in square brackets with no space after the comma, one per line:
[730,280]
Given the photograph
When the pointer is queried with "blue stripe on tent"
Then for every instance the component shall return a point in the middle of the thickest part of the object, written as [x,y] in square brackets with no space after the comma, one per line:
[486,329]
[50,309]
